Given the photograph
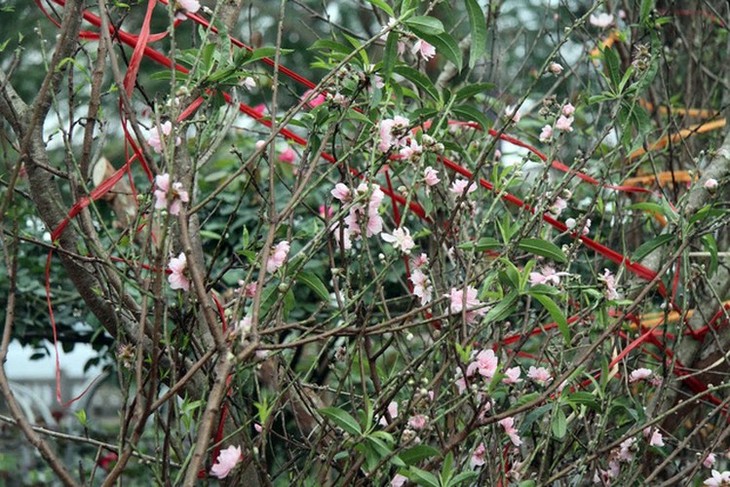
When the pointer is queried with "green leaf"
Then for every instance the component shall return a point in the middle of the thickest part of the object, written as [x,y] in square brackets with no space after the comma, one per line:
[422,477]
[555,313]
[331,46]
[463,477]
[342,419]
[390,55]
[542,248]
[446,46]
[424,25]
[478,27]
[559,424]
[210,235]
[383,6]
[417,78]
[503,309]
[470,90]
[710,244]
[645,12]
[263,52]
[582,398]
[313,282]
[417,453]
[648,247]
[484,243]
[613,65]
[473,114]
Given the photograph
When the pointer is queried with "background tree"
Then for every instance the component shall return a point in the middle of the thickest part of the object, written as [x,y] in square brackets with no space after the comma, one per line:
[488,246]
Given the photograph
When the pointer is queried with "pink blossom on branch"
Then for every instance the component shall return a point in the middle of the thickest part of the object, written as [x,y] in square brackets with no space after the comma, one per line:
[546,134]
[564,123]
[278,256]
[512,375]
[431,176]
[227,461]
[155,138]
[460,185]
[175,193]
[177,278]
[640,374]
[401,239]
[478,457]
[421,286]
[316,101]
[711,184]
[601,20]
[466,299]
[486,364]
[509,427]
[547,275]
[288,156]
[555,68]
[424,49]
[718,479]
[540,375]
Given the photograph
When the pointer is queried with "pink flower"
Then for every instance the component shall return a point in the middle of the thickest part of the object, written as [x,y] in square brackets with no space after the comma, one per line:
[512,375]
[541,375]
[655,436]
[398,480]
[421,286]
[326,212]
[178,194]
[709,460]
[412,150]
[260,109]
[555,68]
[546,134]
[417,422]
[571,223]
[460,185]
[424,49]
[420,261]
[486,363]
[558,206]
[466,299]
[640,374]
[249,83]
[155,139]
[711,184]
[243,327]
[183,7]
[401,239]
[431,176]
[227,461]
[718,479]
[568,110]
[610,281]
[392,411]
[509,428]
[601,20]
[177,266]
[478,457]
[315,101]
[564,123]
[546,276]
[288,156]
[278,256]
[393,132]
[512,114]
[341,192]
[625,453]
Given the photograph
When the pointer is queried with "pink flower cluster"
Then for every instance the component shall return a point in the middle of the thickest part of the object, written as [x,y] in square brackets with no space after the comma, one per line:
[393,133]
[367,213]
[420,280]
[175,193]
[509,427]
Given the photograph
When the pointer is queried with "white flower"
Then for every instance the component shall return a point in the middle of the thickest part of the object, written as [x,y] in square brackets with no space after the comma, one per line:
[555,68]
[601,20]
[401,239]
